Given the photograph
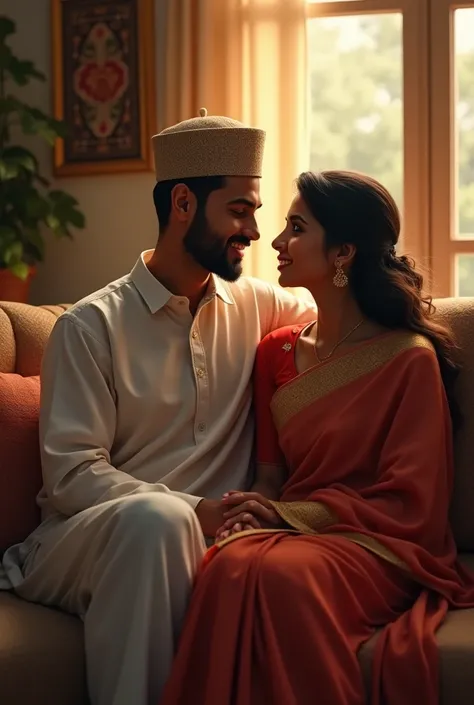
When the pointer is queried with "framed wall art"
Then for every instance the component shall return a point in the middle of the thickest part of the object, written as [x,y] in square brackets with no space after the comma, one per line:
[103,85]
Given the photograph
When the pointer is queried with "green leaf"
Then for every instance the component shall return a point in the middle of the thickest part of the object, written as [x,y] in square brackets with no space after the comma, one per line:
[41,180]
[21,157]
[35,122]
[13,254]
[26,205]
[63,231]
[52,221]
[62,198]
[49,135]
[9,105]
[77,218]
[5,56]
[28,123]
[7,234]
[20,269]
[38,114]
[22,71]
[63,208]
[8,170]
[7,26]
[34,243]
[36,207]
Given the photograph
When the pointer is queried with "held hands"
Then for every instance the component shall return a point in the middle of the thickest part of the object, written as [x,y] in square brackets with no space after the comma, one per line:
[210,513]
[246,510]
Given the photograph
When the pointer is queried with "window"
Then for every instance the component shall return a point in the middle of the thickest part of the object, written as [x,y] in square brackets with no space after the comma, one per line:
[391,93]
[355,67]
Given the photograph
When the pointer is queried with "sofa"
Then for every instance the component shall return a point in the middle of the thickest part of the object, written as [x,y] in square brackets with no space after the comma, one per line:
[42,649]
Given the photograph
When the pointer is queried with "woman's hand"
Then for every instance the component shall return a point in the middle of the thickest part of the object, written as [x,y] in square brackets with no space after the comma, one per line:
[223,533]
[249,508]
[235,526]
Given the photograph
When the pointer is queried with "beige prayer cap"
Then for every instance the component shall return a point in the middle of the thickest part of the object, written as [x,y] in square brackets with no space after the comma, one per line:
[208,146]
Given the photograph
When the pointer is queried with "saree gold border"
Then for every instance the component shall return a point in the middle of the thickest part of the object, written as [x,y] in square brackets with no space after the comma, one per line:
[374,546]
[367,542]
[308,517]
[251,532]
[308,387]
[311,517]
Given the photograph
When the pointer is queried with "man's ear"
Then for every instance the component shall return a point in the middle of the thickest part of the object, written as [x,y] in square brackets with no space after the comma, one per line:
[183,203]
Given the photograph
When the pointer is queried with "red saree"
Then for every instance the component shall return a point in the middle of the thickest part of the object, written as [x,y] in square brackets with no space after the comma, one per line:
[277,617]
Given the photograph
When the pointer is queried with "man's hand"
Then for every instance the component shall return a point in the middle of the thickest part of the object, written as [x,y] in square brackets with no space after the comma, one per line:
[249,508]
[210,513]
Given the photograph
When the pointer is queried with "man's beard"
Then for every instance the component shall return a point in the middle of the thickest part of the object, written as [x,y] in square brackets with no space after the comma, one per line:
[210,252]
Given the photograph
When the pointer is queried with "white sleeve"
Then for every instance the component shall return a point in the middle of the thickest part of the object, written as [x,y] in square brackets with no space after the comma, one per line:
[77,423]
[279,308]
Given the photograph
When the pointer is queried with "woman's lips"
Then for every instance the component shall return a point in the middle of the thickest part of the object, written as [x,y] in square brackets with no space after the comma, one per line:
[283,262]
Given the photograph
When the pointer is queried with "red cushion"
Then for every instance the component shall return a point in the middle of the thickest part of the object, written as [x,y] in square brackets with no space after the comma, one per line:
[20,464]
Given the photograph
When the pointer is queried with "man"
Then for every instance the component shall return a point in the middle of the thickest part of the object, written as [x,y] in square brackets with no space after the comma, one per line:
[146,414]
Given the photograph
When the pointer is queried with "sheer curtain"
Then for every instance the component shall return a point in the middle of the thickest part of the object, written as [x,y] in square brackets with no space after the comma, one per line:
[245,59]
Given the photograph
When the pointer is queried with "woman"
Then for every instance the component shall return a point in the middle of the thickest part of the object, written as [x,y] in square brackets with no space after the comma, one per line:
[354,421]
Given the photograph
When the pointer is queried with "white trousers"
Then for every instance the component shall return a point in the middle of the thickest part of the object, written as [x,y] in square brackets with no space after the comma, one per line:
[127,568]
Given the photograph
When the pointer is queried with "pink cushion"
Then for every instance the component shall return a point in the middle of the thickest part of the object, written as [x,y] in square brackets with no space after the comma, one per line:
[20,464]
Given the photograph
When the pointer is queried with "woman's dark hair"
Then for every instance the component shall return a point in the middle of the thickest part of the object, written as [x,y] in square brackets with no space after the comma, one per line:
[355,209]
[201,186]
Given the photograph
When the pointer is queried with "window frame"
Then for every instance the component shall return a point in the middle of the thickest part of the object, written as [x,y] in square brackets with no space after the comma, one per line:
[443,242]
[415,108]
[429,147]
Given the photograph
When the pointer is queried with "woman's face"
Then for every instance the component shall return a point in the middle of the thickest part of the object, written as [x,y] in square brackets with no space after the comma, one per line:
[302,259]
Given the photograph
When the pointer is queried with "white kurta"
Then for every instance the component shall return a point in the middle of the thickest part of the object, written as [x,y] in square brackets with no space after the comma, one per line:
[140,401]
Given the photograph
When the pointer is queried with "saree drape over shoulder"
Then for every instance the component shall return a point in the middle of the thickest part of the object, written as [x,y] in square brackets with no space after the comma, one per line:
[278,617]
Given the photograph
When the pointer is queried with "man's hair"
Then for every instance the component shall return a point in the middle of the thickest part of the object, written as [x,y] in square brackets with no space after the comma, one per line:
[201,186]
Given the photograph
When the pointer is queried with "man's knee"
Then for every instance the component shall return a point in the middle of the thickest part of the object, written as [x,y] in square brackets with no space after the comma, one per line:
[155,516]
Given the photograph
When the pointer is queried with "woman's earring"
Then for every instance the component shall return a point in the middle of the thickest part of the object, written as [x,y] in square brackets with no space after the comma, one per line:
[340,278]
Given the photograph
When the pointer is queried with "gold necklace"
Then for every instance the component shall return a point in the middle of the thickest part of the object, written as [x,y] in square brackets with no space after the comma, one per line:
[339,342]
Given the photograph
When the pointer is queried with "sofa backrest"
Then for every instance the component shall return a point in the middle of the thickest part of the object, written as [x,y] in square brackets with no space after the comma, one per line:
[459,314]
[25,329]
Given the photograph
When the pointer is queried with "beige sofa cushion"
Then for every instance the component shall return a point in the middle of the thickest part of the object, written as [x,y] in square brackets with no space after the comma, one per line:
[456,648]
[41,655]
[24,331]
[459,313]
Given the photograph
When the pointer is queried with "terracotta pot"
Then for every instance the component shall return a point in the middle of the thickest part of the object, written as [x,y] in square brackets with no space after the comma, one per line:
[12,288]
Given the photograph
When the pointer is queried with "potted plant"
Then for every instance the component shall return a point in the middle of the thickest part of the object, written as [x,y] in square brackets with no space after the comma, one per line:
[28,205]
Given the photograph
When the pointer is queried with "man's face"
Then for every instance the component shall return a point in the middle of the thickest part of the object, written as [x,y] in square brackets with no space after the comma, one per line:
[220,232]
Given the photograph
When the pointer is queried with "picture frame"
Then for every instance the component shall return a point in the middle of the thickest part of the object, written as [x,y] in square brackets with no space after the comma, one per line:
[103,85]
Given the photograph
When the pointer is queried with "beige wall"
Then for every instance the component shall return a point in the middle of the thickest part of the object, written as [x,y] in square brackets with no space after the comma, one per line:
[119,209]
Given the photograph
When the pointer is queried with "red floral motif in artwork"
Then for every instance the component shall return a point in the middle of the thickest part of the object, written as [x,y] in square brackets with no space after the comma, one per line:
[101,83]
